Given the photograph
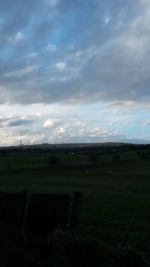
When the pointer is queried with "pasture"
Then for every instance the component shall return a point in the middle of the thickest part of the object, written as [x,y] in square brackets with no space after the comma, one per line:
[116,193]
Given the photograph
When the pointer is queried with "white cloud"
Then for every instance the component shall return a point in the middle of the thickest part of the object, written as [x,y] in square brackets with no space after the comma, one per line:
[60,130]
[101,132]
[51,47]
[107,19]
[52,3]
[61,66]
[78,123]
[21,72]
[82,132]
[49,123]
[145,123]
[33,55]
[78,54]
[19,38]
[144,2]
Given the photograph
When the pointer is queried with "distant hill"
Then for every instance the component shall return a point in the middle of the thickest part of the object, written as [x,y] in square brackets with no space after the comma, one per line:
[70,145]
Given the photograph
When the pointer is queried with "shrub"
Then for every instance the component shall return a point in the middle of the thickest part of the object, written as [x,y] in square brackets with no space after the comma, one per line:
[53,160]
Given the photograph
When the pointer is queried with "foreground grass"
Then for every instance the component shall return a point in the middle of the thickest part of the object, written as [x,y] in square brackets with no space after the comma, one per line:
[116,204]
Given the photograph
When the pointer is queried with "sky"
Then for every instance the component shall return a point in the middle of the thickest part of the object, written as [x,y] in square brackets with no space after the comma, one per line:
[74,71]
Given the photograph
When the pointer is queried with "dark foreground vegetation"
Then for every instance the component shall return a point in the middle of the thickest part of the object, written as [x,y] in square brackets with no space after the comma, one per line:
[114,223]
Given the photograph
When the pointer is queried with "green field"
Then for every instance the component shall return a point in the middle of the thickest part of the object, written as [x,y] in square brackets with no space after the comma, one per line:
[116,193]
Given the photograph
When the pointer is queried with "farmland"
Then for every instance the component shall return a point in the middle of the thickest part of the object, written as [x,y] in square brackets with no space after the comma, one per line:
[116,192]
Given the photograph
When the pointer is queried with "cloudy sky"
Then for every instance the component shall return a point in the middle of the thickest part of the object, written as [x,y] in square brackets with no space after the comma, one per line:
[74,71]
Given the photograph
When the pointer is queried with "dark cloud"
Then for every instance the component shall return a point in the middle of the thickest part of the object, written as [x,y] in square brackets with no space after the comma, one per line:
[20,122]
[16,122]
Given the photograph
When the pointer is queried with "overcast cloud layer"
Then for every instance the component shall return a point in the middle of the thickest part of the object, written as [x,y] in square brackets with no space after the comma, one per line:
[89,58]
[55,51]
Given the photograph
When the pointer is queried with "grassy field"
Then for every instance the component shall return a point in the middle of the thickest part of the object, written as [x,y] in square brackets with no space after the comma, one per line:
[116,193]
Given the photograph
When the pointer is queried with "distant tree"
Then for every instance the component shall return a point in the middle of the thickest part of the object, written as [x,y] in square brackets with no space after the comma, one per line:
[4,153]
[93,157]
[116,157]
[53,160]
[9,165]
[143,154]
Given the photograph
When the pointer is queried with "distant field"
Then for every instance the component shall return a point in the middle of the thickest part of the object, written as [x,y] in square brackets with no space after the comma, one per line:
[116,193]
